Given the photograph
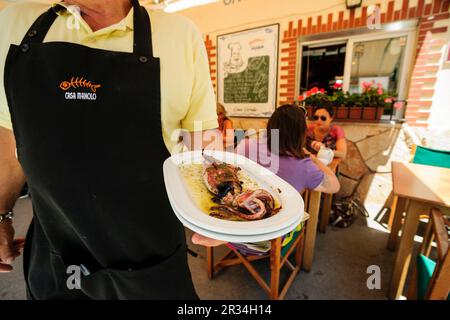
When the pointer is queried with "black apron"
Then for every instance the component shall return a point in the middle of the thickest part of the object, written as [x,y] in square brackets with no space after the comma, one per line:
[88,128]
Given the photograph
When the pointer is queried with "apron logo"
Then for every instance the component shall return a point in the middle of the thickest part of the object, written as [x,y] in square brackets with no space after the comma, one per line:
[76,83]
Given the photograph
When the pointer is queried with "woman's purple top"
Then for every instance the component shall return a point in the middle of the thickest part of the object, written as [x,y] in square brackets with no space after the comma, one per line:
[300,173]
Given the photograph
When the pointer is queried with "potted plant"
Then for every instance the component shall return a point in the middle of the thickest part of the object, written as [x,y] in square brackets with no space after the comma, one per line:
[314,98]
[338,102]
[366,106]
[372,102]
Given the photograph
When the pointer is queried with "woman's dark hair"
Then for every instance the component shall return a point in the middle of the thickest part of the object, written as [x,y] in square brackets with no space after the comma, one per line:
[290,120]
[329,109]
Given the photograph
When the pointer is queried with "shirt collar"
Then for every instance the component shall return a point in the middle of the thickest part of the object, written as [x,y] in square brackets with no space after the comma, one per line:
[62,8]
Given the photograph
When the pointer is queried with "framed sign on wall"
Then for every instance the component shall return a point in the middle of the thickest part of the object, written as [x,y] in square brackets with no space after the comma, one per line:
[247,71]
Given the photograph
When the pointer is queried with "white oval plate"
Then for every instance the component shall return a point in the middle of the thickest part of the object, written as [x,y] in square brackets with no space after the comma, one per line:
[237,238]
[182,202]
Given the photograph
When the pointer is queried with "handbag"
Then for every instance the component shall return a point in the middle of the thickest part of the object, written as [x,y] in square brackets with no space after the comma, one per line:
[345,211]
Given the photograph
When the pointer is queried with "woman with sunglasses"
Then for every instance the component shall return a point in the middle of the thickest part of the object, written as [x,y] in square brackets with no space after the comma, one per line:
[322,133]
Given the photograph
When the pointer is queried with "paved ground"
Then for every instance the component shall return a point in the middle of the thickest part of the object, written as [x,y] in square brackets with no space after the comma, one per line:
[339,270]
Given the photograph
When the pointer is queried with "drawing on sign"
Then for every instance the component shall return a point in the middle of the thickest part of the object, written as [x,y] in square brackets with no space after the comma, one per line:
[247,71]
[235,63]
[250,85]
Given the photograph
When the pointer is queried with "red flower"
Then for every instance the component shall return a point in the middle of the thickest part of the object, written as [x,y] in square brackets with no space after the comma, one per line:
[314,90]
[365,86]
[398,105]
[337,86]
[380,89]
[308,93]
[322,90]
[300,98]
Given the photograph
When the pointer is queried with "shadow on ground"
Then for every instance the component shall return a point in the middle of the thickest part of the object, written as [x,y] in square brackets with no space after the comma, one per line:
[339,271]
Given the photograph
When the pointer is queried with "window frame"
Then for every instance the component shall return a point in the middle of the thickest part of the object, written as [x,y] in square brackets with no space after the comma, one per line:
[407,28]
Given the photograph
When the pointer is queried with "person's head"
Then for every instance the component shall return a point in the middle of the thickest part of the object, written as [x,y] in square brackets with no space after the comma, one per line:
[221,112]
[290,121]
[220,109]
[323,116]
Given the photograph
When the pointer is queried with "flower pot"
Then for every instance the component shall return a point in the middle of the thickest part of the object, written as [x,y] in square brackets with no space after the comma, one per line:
[355,113]
[373,113]
[366,114]
[341,112]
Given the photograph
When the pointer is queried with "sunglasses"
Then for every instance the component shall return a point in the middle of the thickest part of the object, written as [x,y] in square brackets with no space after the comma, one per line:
[323,118]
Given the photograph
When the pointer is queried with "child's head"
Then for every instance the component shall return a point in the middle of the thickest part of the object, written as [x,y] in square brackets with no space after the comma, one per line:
[290,121]
[220,109]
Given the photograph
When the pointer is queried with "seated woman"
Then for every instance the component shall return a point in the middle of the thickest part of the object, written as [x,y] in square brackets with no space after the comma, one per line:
[282,150]
[322,133]
[225,126]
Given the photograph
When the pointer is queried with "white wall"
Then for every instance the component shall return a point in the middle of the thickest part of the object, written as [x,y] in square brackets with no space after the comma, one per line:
[217,18]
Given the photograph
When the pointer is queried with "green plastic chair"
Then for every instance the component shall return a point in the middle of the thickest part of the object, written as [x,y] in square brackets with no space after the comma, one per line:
[431,279]
[425,270]
[431,157]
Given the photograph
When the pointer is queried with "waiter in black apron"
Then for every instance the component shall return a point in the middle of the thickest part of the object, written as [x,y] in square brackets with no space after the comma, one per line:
[94,171]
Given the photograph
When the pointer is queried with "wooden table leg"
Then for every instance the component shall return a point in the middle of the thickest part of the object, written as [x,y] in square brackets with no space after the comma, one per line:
[275,265]
[393,209]
[325,212]
[210,262]
[397,214]
[404,252]
[311,229]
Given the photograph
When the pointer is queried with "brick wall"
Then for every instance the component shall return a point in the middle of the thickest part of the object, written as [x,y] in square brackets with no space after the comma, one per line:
[432,34]
[432,37]
[211,51]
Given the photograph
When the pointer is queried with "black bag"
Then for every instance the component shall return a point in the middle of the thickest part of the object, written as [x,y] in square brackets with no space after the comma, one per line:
[345,211]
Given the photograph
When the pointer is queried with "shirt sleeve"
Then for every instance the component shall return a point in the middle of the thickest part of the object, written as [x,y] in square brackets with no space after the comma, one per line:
[338,133]
[5,118]
[201,114]
[314,176]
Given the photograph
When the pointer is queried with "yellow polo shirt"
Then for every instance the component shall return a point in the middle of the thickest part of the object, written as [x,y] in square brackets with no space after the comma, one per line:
[187,95]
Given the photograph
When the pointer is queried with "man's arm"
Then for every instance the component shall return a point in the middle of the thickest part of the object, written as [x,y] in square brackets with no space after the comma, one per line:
[206,139]
[12,180]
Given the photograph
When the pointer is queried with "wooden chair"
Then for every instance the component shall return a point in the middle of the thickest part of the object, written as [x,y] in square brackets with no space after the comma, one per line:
[277,262]
[419,155]
[438,287]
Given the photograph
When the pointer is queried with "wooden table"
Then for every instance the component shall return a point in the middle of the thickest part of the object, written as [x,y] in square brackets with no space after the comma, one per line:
[311,226]
[419,188]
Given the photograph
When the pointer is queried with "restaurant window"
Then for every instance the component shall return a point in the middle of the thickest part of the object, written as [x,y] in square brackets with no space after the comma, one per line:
[377,60]
[383,56]
[322,65]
